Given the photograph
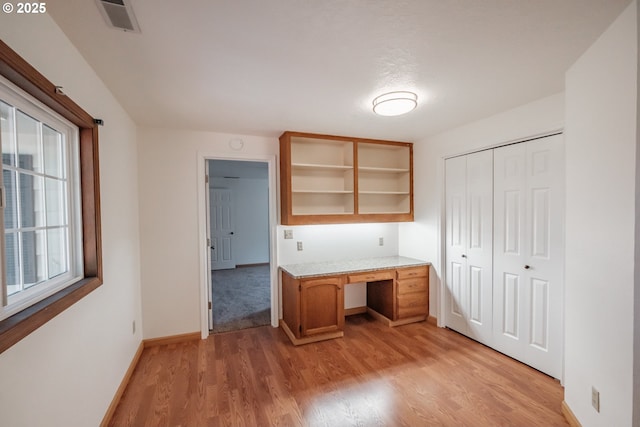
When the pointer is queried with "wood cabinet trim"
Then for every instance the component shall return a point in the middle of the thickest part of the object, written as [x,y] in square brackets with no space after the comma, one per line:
[287,217]
[412,272]
[371,276]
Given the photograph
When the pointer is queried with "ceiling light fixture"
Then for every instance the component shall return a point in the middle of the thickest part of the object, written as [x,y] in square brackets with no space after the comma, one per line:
[395,103]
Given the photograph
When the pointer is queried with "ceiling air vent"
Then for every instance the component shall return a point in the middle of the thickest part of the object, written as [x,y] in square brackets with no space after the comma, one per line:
[119,14]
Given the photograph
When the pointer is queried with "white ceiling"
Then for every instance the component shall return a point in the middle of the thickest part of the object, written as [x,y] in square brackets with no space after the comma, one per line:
[261,67]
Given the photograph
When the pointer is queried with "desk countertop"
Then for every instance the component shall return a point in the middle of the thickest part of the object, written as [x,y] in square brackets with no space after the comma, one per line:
[329,268]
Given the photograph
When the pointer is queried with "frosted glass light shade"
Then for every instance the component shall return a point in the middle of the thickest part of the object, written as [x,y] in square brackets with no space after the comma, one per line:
[395,103]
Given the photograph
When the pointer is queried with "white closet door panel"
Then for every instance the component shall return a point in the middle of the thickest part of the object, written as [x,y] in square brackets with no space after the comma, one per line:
[511,306]
[508,263]
[539,306]
[528,207]
[512,235]
[456,233]
[457,290]
[540,222]
[480,244]
[469,242]
[545,257]
[477,289]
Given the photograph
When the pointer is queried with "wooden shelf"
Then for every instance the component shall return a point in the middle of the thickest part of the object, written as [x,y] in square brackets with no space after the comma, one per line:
[382,170]
[384,192]
[320,167]
[332,179]
[322,192]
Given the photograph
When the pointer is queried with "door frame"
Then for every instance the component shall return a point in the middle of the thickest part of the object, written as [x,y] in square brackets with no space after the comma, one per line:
[202,188]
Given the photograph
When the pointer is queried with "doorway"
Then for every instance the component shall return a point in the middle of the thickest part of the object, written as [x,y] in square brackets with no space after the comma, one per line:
[239,244]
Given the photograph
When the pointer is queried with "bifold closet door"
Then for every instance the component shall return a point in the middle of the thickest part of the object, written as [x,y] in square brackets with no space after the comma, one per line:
[469,233]
[529,252]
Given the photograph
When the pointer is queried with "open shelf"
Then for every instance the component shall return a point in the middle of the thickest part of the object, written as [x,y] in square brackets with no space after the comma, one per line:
[326,177]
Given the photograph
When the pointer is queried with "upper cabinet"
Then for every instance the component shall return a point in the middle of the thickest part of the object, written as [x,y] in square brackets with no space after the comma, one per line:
[333,179]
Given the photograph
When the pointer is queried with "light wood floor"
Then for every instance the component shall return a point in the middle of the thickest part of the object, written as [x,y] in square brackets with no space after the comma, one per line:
[413,375]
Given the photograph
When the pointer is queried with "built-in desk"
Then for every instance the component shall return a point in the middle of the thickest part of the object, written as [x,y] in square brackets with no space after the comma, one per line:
[313,294]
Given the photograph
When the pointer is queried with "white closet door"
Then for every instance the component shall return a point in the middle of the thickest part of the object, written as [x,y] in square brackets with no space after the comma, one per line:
[469,205]
[529,252]
[456,292]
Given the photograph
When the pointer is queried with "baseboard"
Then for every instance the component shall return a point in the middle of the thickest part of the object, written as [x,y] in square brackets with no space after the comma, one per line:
[173,339]
[432,320]
[123,385]
[308,340]
[568,414]
[257,264]
[355,310]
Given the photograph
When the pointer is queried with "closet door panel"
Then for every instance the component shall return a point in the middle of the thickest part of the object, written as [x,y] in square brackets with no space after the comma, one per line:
[528,251]
[545,254]
[508,263]
[480,244]
[456,243]
[469,243]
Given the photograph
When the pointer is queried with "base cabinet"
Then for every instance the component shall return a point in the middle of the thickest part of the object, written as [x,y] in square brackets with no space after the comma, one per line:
[402,300]
[313,308]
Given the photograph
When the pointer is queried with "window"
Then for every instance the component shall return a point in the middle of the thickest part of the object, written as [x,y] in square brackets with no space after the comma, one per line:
[51,198]
[41,251]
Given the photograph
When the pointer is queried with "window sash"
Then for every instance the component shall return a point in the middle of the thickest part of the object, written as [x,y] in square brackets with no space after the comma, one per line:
[28,292]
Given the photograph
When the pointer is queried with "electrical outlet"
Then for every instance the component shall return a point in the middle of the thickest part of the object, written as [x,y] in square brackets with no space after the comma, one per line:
[299,246]
[288,234]
[595,399]
[380,241]
[133,327]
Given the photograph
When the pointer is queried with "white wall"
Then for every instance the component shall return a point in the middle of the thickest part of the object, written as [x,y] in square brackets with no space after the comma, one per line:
[66,372]
[251,206]
[601,149]
[421,239]
[333,242]
[170,240]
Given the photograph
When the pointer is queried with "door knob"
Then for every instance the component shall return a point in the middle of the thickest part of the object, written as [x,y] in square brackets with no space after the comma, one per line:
[231,232]
[464,256]
[526,267]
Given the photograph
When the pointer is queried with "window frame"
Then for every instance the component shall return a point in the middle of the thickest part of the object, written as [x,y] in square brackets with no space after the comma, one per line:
[19,72]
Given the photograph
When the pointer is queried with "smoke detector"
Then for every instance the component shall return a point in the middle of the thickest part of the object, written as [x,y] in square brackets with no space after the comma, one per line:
[119,14]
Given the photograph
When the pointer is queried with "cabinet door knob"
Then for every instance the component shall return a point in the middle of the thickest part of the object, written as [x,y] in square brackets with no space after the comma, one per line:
[464,256]
[526,267]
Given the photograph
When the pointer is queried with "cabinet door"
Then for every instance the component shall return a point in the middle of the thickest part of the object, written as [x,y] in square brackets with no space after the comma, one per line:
[322,305]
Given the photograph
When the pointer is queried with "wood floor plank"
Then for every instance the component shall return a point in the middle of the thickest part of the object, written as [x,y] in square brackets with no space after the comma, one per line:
[412,375]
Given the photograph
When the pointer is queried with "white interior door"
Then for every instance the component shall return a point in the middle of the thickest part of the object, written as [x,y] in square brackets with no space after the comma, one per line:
[529,252]
[222,229]
[469,239]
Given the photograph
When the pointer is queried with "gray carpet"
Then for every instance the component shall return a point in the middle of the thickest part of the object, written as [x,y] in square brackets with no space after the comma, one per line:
[241,298]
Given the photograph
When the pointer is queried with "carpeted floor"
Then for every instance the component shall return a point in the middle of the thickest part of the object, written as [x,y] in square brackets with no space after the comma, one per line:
[241,298]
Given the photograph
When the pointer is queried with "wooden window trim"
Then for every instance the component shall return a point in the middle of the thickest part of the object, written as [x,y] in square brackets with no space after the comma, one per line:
[22,74]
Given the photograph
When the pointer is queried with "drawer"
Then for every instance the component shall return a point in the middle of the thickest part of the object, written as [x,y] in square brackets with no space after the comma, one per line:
[412,285]
[372,276]
[412,305]
[411,272]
